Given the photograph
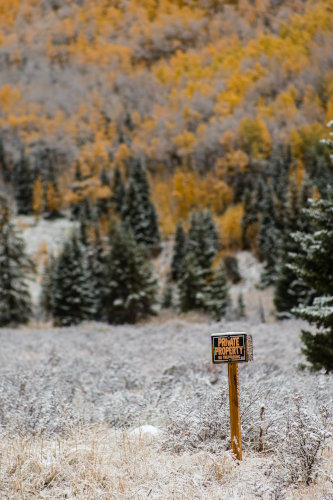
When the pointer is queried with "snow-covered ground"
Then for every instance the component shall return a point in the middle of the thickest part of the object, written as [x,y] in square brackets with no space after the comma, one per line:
[129,410]
[125,412]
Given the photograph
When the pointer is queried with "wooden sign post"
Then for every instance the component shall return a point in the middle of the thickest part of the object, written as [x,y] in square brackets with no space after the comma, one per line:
[233,348]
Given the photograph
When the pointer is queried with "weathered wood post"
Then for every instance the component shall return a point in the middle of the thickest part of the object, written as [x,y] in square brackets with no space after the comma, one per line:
[233,348]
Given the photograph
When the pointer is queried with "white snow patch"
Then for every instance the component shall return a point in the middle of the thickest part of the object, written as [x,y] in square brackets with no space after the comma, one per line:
[146,430]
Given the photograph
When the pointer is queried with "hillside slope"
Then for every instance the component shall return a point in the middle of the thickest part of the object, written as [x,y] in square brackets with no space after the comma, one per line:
[200,85]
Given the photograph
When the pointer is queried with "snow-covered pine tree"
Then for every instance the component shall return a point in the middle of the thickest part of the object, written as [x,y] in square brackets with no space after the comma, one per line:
[151,235]
[202,240]
[279,169]
[289,291]
[73,294]
[218,298]
[211,229]
[268,237]
[319,166]
[131,286]
[83,228]
[139,212]
[118,191]
[97,259]
[179,252]
[192,284]
[23,185]
[167,299]
[313,264]
[15,301]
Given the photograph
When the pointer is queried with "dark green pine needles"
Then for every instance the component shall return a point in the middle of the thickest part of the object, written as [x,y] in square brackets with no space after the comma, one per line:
[15,266]
[313,264]
[131,286]
[73,296]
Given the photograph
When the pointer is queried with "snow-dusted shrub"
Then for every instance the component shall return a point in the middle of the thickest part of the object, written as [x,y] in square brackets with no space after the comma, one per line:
[303,441]
[282,414]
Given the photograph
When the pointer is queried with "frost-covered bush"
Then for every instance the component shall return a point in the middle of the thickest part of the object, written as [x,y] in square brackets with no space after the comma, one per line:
[304,438]
[282,416]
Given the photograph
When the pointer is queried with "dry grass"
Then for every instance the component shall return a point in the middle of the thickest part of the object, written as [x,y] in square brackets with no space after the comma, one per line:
[101,463]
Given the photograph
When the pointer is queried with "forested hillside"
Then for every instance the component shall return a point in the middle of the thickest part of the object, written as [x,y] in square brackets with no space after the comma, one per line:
[206,93]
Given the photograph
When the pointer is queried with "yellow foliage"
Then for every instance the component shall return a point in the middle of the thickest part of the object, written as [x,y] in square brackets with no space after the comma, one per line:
[299,173]
[199,71]
[285,106]
[102,193]
[9,97]
[191,191]
[123,154]
[254,137]
[230,225]
[234,162]
[185,142]
[161,189]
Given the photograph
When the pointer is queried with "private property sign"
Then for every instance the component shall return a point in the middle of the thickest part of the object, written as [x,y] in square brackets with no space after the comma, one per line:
[231,347]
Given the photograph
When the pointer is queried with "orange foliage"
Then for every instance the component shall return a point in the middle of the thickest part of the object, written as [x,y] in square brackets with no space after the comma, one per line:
[37,203]
[167,80]
[230,225]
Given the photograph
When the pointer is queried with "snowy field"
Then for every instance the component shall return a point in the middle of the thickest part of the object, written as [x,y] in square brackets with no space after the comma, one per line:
[136,412]
[140,412]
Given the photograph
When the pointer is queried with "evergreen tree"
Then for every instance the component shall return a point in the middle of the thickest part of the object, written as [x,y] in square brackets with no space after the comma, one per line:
[23,185]
[279,169]
[131,288]
[139,211]
[118,191]
[83,228]
[211,229]
[192,285]
[167,299]
[319,167]
[259,195]
[15,302]
[218,299]
[73,295]
[202,241]
[97,258]
[268,237]
[179,252]
[289,291]
[4,164]
[313,264]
